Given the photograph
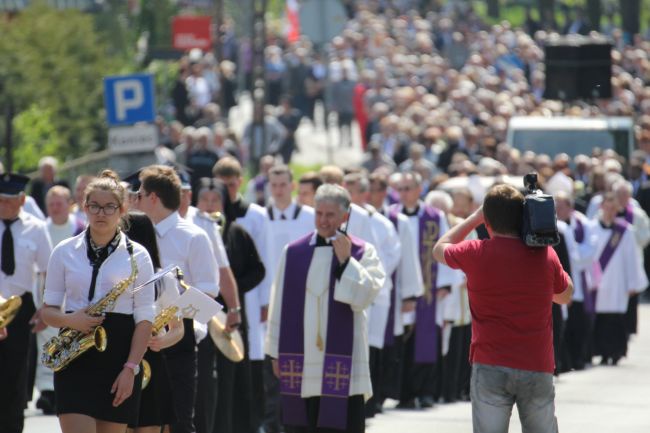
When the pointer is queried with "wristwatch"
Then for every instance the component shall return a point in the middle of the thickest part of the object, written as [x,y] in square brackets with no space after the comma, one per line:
[234,309]
[134,367]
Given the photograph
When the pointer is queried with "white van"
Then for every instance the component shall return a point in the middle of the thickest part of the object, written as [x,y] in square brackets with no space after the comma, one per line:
[571,135]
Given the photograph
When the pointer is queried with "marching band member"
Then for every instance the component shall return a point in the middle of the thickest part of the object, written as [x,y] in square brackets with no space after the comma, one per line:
[25,246]
[252,218]
[236,409]
[156,404]
[206,390]
[100,391]
[183,244]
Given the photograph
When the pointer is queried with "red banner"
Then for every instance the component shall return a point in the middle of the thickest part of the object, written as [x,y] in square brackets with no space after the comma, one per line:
[192,32]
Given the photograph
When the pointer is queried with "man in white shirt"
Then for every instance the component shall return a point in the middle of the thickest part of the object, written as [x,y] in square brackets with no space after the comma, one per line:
[288,221]
[206,395]
[317,328]
[26,247]
[61,225]
[252,218]
[183,244]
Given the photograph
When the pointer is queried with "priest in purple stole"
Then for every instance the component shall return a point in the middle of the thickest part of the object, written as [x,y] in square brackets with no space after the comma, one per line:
[317,335]
[618,274]
[420,385]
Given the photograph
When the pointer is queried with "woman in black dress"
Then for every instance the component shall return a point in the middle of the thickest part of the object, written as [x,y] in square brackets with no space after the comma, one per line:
[156,405]
[100,391]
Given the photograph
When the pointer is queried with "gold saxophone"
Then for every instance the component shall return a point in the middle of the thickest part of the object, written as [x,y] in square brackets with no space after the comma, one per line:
[220,219]
[8,309]
[162,319]
[61,350]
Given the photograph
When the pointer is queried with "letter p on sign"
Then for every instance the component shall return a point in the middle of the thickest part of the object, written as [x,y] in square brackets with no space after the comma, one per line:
[129,99]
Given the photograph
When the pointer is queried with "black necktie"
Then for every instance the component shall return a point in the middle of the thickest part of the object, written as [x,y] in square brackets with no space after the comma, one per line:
[8,261]
[282,217]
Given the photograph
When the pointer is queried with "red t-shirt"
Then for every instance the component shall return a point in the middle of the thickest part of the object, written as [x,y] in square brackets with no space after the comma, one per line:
[511,289]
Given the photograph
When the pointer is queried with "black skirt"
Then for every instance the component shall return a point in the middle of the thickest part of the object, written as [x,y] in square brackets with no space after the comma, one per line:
[84,386]
[156,405]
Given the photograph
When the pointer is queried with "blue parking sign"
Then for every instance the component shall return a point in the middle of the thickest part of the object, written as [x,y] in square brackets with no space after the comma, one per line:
[129,99]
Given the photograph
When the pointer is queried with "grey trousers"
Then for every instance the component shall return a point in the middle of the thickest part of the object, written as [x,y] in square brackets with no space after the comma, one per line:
[494,390]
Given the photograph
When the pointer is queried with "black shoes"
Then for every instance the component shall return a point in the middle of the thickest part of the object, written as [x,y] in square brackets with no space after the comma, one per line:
[426,402]
[47,403]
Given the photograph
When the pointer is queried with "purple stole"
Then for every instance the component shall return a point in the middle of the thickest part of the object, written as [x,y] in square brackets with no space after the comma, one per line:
[426,330]
[392,197]
[618,229]
[259,183]
[629,213]
[338,349]
[389,334]
[589,303]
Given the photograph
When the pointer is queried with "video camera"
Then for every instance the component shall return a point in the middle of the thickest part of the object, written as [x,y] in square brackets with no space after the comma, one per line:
[539,227]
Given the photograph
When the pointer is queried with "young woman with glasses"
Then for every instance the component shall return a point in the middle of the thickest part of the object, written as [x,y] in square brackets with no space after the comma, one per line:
[99,392]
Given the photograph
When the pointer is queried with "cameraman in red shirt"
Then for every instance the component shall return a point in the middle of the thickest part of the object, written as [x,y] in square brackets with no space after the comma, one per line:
[511,289]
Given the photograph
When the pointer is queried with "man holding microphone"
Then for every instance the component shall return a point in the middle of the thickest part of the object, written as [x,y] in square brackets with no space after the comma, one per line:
[511,287]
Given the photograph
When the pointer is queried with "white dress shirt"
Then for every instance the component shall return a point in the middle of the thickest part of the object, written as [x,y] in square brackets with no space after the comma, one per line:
[358,286]
[183,244]
[69,275]
[211,228]
[32,208]
[32,248]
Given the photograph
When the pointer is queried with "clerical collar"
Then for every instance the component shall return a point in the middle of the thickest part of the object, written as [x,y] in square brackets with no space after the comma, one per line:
[320,241]
[412,211]
[604,225]
[237,209]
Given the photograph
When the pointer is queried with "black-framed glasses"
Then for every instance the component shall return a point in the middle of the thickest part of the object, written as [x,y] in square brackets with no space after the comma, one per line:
[108,210]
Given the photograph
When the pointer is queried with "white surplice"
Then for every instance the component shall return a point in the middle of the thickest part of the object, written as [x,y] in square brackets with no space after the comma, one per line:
[389,249]
[284,231]
[408,279]
[256,224]
[445,277]
[358,286]
[581,255]
[624,273]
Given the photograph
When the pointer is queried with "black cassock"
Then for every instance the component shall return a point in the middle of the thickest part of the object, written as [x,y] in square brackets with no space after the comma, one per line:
[237,409]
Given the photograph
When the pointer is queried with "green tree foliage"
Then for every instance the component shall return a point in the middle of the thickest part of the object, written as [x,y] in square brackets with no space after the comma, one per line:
[35,135]
[55,60]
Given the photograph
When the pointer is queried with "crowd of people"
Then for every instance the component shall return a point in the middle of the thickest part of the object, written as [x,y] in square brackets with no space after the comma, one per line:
[431,95]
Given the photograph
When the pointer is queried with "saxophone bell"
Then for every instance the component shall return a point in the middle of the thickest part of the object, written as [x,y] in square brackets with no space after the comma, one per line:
[9,309]
[146,373]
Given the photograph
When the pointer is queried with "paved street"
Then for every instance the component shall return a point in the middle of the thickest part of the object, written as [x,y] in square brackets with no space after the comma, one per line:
[316,145]
[598,400]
